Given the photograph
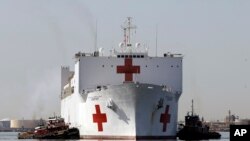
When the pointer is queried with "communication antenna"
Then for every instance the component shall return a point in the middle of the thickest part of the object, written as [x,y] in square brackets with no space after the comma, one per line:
[156,39]
[95,36]
[192,107]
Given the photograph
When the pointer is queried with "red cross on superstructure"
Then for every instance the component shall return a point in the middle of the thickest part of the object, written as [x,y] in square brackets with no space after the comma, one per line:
[165,118]
[128,69]
[99,117]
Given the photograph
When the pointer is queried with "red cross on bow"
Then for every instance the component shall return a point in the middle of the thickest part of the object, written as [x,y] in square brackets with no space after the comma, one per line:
[99,118]
[165,118]
[128,69]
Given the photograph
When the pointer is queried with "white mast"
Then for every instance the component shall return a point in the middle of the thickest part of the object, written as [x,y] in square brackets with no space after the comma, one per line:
[127,33]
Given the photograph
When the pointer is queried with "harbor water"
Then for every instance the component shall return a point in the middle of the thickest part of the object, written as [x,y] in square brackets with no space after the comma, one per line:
[12,136]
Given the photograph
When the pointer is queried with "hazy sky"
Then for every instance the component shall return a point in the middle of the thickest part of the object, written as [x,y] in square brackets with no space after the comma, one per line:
[38,36]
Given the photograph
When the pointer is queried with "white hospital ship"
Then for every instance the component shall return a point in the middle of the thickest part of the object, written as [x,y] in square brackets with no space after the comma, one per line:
[126,95]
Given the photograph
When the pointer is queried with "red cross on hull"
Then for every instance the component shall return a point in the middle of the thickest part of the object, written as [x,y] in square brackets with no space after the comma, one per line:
[128,69]
[165,118]
[99,118]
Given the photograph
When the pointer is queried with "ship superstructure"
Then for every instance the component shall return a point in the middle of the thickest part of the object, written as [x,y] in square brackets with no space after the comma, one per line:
[127,95]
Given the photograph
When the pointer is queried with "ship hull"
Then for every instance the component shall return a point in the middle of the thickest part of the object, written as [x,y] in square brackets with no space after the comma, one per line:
[126,111]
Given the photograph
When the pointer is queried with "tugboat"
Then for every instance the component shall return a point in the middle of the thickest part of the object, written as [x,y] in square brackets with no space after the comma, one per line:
[56,128]
[194,129]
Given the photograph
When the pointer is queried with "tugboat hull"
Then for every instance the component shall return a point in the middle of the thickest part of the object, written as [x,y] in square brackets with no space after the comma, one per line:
[184,134]
[72,133]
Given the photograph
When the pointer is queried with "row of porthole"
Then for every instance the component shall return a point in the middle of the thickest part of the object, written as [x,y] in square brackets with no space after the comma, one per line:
[130,56]
[147,66]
